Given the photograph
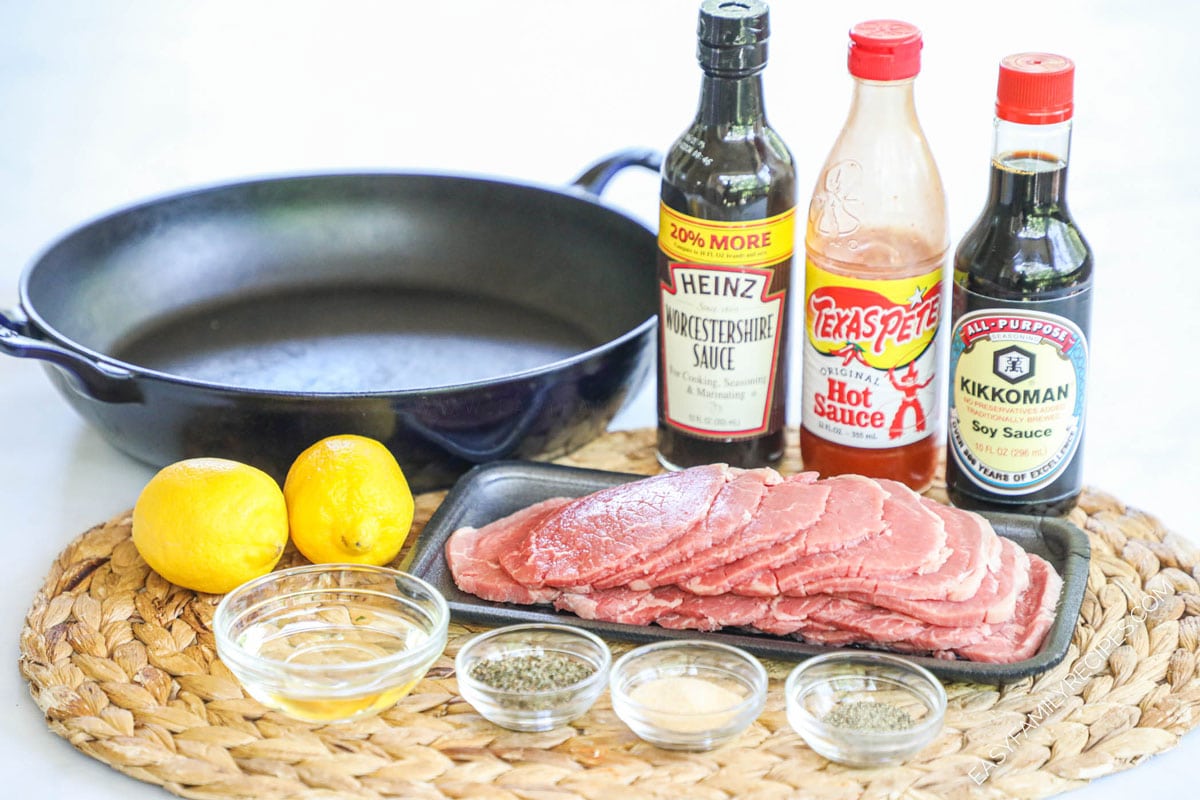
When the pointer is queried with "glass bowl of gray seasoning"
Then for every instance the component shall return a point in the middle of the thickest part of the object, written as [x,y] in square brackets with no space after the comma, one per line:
[532,677]
[864,709]
[688,694]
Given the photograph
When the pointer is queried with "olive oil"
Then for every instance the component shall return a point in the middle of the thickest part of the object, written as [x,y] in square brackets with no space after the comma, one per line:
[342,639]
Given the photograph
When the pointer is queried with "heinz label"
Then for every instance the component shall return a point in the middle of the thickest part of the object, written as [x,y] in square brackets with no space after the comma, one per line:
[871,358]
[1018,381]
[721,325]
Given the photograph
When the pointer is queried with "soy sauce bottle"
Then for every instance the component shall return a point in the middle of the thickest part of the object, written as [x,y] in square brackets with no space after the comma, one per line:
[1022,310]
[726,235]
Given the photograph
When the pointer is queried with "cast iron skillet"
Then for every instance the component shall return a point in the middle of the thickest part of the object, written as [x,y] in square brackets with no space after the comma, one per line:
[457,319]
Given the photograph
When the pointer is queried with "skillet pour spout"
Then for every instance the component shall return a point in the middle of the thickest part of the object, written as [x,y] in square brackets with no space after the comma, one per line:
[458,319]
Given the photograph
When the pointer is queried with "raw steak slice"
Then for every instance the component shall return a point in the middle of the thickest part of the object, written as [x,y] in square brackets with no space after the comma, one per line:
[1021,637]
[786,615]
[795,520]
[713,613]
[973,546]
[876,625]
[473,556]
[913,541]
[621,604]
[596,535]
[667,606]
[828,637]
[734,506]
[995,602]
[787,508]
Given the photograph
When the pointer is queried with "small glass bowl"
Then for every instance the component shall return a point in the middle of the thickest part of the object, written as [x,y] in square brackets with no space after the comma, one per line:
[527,710]
[331,642]
[819,685]
[688,694]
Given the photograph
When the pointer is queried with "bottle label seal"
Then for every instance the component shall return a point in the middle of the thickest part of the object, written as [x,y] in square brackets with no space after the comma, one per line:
[871,358]
[1018,386]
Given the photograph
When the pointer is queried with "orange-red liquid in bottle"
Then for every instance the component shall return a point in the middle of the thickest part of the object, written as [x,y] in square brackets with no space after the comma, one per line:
[876,247]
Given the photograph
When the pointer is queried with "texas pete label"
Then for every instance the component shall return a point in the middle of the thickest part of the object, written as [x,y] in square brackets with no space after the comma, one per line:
[1018,386]
[871,358]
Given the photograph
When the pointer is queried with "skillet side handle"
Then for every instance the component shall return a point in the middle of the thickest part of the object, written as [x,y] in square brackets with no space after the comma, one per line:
[596,177]
[100,381]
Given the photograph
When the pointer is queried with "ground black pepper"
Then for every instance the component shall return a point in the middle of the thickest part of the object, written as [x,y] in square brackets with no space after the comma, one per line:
[868,716]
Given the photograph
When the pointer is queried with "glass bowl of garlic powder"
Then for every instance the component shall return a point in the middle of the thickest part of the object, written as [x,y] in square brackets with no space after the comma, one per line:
[688,694]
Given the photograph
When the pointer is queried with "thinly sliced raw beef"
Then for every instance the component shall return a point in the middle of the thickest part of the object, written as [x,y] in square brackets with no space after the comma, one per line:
[995,602]
[973,545]
[629,606]
[603,532]
[881,626]
[786,615]
[913,541]
[473,556]
[714,613]
[1021,637]
[734,506]
[666,606]
[787,508]
[845,560]
[851,511]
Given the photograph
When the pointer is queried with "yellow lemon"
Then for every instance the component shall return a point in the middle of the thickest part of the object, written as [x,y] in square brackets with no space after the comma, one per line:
[348,500]
[210,524]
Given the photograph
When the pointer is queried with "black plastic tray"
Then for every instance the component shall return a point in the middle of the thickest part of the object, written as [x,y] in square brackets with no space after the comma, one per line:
[493,490]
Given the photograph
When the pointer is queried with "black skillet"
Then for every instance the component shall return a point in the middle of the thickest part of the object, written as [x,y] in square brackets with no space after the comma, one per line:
[458,319]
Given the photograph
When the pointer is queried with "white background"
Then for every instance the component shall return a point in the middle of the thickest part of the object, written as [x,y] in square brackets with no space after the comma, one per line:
[106,103]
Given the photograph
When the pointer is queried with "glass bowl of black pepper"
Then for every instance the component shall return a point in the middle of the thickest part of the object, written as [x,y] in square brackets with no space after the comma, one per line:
[532,677]
[864,709]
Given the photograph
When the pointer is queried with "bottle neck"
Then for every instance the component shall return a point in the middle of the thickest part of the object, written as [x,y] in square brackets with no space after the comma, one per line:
[1029,163]
[882,103]
[731,101]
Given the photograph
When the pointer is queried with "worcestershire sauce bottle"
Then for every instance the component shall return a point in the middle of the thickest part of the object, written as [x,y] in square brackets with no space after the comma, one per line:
[1022,309]
[726,233]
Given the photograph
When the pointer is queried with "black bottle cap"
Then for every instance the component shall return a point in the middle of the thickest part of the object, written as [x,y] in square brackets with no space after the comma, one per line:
[733,36]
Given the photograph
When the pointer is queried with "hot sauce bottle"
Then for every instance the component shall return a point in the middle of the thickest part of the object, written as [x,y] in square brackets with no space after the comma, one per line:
[876,244]
[726,235]
[1022,310]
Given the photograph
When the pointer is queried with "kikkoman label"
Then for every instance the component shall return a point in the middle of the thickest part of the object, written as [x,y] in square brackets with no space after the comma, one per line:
[871,358]
[1018,381]
[751,243]
[720,322]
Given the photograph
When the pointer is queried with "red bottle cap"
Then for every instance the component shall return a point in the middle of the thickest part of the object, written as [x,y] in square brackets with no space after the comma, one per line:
[1035,88]
[884,50]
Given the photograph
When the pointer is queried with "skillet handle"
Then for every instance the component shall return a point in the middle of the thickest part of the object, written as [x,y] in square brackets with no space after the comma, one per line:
[596,177]
[104,382]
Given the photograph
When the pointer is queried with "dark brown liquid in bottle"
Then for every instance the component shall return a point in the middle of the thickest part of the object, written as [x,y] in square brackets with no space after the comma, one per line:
[730,166]
[1024,249]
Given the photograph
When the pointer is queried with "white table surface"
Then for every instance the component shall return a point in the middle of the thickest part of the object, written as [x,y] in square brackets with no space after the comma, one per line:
[106,103]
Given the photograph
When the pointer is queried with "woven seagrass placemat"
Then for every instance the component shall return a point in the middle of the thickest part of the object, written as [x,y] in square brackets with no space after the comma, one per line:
[124,666]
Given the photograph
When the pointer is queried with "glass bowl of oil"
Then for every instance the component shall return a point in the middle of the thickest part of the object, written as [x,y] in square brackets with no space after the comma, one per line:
[864,709]
[331,642]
